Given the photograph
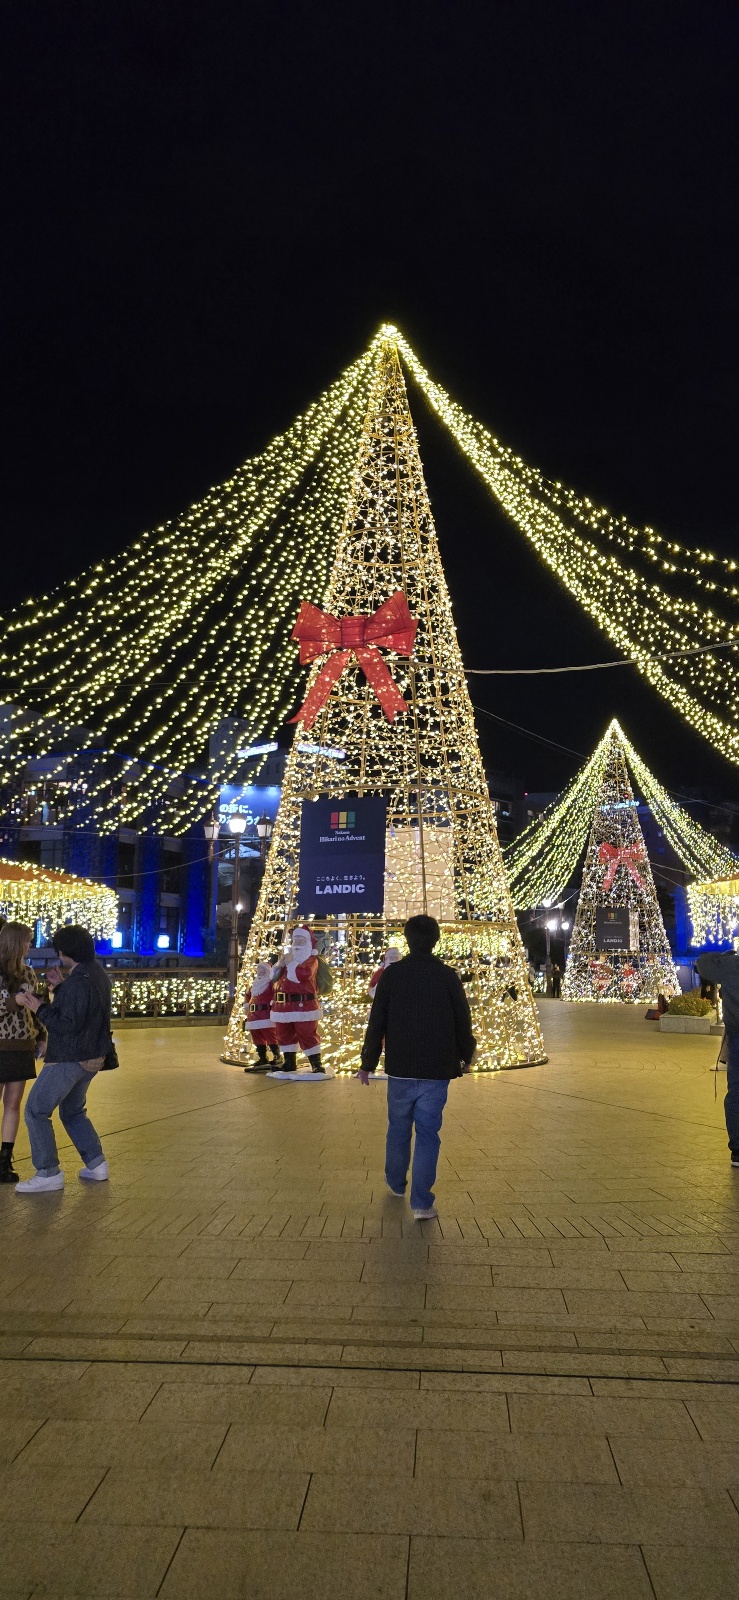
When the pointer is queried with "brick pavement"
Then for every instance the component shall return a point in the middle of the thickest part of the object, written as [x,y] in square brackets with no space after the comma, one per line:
[241,1369]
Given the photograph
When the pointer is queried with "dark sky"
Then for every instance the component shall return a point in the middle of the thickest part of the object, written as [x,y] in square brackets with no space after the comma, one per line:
[210,207]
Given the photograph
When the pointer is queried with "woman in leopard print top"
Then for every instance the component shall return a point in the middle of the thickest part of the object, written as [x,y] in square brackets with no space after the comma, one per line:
[22,1038]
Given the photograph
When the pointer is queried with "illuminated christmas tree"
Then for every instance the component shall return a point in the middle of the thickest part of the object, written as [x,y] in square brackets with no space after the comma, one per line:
[442,851]
[619,948]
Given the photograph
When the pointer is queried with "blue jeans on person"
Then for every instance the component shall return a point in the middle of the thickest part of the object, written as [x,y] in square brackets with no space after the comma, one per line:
[414,1103]
[731,1101]
[63,1084]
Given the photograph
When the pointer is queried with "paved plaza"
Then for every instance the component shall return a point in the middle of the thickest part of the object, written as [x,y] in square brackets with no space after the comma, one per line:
[241,1369]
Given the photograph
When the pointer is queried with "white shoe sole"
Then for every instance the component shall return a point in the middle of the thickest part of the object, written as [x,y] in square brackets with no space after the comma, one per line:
[425,1216]
[94,1174]
[30,1187]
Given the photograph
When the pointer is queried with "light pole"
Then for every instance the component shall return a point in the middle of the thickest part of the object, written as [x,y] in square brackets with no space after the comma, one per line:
[550,927]
[211,830]
[264,831]
[237,823]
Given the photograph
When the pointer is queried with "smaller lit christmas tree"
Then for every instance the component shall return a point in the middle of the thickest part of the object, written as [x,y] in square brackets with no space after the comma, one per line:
[619,948]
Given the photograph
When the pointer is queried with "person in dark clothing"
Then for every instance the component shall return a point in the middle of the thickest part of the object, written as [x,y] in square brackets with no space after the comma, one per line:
[723,968]
[556,982]
[421,1012]
[78,1025]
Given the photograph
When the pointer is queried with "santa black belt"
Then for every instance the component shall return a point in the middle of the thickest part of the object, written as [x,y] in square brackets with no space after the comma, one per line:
[282,999]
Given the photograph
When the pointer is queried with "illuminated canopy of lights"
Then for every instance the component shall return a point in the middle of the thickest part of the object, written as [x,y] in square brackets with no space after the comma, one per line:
[34,894]
[714,911]
[150,651]
[543,859]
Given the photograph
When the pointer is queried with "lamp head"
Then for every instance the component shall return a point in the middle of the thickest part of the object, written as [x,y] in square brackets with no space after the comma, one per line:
[237,822]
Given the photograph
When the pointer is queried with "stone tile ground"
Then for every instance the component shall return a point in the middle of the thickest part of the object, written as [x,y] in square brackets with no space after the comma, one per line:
[242,1370]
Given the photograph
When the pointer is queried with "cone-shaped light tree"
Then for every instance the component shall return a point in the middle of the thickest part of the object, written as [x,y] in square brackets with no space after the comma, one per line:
[442,851]
[619,948]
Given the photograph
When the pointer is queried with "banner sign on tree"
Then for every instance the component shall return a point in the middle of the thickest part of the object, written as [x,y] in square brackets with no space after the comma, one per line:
[342,856]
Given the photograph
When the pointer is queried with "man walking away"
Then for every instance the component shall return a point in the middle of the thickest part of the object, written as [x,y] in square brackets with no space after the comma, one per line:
[723,968]
[78,1025]
[421,1012]
[556,982]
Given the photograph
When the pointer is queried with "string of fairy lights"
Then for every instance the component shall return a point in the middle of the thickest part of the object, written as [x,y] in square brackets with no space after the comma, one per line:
[150,653]
[541,861]
[617,888]
[154,649]
[32,894]
[714,911]
[641,611]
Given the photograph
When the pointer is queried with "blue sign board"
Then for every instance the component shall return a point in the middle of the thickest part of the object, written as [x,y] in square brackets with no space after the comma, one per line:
[342,856]
[252,799]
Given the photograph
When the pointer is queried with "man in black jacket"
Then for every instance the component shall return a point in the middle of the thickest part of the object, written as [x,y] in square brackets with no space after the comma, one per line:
[420,1011]
[78,1026]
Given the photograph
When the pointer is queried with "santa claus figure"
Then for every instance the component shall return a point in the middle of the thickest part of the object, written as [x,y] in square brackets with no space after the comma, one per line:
[389,957]
[296,1007]
[258,1005]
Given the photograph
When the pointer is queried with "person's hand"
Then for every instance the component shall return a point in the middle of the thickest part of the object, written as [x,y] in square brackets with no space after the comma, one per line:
[23,998]
[54,977]
[363,1077]
[41,1049]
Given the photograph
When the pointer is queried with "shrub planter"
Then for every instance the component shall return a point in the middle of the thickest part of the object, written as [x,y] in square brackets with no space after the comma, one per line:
[672,1024]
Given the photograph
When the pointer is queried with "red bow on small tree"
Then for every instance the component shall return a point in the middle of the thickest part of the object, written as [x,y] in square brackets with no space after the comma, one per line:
[614,856]
[319,633]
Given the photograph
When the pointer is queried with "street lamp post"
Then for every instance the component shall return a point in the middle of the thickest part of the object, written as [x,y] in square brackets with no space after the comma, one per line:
[211,830]
[550,927]
[264,831]
[237,823]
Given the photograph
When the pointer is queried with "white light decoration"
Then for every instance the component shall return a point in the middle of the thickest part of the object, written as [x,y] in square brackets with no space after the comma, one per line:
[443,854]
[34,894]
[714,911]
[542,860]
[617,883]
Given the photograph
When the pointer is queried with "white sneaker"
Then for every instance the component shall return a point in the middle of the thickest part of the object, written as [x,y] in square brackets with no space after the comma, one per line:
[40,1185]
[95,1174]
[425,1216]
[399,1193]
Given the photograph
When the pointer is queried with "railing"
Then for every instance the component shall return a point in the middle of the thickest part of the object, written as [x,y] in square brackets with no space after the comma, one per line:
[170,992]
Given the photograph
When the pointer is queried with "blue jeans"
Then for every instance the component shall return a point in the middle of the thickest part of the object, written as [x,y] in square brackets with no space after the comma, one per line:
[419,1103]
[731,1101]
[63,1084]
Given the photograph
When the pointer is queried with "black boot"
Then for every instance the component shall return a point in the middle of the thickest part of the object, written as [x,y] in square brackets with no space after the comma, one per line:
[261,1064]
[316,1064]
[7,1170]
[288,1065]
[277,1057]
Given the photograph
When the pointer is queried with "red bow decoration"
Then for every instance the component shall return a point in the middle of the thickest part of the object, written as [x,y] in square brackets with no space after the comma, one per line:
[624,856]
[391,628]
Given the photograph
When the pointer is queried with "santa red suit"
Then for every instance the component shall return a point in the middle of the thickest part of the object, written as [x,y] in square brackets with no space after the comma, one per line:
[296,1007]
[389,957]
[258,1005]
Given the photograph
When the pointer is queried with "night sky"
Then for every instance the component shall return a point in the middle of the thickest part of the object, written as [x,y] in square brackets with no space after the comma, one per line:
[210,207]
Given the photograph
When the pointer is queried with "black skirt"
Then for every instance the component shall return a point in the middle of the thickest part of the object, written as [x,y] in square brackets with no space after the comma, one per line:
[17,1065]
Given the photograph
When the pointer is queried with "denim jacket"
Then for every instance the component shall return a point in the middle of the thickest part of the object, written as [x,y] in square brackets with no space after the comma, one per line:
[78,1017]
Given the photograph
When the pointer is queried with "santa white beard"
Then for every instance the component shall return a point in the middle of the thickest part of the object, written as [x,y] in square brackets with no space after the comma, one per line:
[296,957]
